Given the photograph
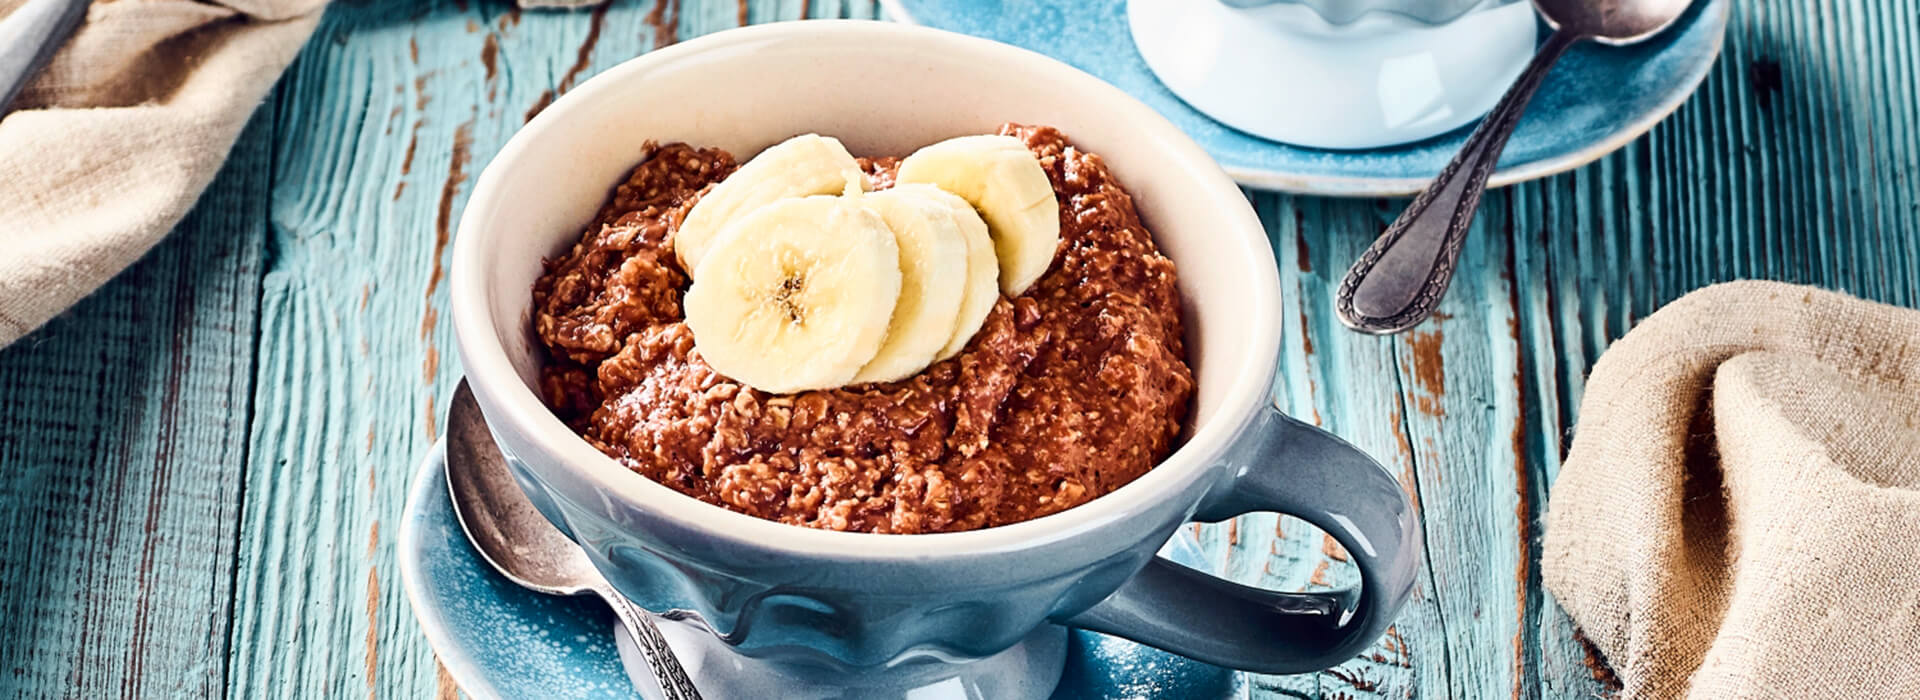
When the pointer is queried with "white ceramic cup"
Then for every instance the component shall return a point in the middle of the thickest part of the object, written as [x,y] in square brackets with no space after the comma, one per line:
[1341,74]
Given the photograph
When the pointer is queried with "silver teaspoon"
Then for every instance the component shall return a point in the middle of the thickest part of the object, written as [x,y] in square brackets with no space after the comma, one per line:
[1399,280]
[519,542]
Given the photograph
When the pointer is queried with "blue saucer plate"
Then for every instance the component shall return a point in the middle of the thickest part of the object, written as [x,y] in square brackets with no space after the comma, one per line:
[1596,100]
[498,640]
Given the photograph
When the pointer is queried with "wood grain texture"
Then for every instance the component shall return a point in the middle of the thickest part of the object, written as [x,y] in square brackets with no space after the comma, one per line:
[1796,161]
[122,427]
[235,418]
[388,116]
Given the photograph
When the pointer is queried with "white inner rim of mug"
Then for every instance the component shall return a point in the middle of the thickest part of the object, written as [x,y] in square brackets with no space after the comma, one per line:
[491,371]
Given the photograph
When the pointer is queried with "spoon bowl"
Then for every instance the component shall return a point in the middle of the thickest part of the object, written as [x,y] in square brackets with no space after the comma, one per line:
[519,542]
[504,526]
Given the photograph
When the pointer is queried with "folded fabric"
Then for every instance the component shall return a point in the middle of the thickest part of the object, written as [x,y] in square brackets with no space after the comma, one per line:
[111,145]
[114,142]
[1739,516]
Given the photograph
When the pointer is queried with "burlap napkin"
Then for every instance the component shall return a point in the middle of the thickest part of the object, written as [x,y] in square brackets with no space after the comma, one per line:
[115,141]
[1739,516]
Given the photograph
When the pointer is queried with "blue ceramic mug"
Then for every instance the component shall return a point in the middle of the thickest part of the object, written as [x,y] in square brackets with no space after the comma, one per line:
[852,603]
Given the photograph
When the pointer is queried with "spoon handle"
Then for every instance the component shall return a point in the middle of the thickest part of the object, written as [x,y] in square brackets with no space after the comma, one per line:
[29,36]
[1399,280]
[653,647]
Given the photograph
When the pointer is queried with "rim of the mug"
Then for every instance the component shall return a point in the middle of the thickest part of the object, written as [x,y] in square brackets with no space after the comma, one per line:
[490,371]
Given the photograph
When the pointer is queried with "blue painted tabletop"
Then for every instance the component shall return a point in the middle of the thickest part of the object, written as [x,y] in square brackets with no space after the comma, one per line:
[203,465]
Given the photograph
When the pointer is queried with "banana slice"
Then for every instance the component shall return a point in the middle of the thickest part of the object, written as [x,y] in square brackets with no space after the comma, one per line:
[933,280]
[1002,179]
[983,269]
[804,165]
[796,295]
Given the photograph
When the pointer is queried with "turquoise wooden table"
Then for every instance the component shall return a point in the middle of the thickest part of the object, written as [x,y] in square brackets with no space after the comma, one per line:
[202,466]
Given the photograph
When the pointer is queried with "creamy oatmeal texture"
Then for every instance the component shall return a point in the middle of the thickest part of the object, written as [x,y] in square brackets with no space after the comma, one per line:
[1068,392]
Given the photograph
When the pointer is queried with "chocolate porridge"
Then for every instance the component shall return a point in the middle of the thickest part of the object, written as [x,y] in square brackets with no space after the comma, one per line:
[1068,392]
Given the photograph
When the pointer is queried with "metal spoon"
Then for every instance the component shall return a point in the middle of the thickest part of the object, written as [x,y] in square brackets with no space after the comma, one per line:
[29,36]
[519,542]
[1398,281]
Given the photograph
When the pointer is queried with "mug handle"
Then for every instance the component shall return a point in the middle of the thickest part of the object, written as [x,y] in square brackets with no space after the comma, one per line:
[1283,465]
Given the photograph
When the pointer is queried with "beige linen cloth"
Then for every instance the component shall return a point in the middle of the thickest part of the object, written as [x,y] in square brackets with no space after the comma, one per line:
[112,144]
[1739,516]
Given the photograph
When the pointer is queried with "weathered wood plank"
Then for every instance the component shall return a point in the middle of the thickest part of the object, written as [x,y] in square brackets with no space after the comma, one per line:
[1796,161]
[390,114]
[122,426]
[1472,411]
[375,151]
[1443,408]
[1347,383]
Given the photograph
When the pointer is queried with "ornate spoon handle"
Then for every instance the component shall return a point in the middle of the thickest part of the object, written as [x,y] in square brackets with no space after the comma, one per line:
[653,647]
[1399,280]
